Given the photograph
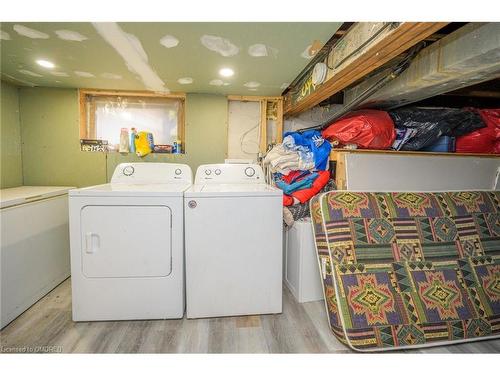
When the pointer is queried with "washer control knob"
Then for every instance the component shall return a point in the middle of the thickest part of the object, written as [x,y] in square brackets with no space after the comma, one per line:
[217,172]
[128,170]
[249,171]
[178,171]
[192,204]
[208,172]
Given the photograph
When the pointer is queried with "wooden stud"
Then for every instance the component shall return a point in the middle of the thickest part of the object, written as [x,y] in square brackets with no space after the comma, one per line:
[263,126]
[279,122]
[244,98]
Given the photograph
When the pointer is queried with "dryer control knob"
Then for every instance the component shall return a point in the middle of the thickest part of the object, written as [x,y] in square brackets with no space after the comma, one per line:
[128,170]
[217,172]
[178,171]
[249,171]
[208,172]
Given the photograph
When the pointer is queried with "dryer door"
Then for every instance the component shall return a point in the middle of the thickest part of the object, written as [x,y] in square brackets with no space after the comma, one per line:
[126,241]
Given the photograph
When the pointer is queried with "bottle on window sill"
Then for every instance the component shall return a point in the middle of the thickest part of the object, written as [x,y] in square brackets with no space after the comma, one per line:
[124,141]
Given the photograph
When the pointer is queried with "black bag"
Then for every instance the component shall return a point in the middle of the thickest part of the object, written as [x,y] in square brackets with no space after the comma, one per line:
[432,123]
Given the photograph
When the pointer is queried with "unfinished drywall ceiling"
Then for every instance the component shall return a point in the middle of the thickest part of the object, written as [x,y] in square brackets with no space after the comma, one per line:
[163,57]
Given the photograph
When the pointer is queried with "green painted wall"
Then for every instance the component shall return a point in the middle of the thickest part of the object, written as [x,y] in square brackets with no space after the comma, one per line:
[51,149]
[10,134]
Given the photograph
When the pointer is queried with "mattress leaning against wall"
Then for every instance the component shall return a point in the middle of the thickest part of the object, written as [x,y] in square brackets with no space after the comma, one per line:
[408,270]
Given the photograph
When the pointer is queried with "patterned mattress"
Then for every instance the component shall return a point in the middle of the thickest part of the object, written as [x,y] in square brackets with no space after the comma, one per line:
[404,270]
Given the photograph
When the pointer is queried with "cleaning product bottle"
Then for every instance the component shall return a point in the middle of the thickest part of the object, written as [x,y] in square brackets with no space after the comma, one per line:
[133,133]
[124,140]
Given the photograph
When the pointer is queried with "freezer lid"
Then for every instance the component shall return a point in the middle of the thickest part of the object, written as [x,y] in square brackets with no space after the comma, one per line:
[25,194]
[232,190]
[132,190]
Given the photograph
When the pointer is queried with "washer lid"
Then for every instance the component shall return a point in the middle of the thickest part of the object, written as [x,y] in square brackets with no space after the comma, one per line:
[233,190]
[25,194]
[132,190]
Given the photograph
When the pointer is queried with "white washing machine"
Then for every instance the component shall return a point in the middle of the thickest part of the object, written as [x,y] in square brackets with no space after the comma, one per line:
[127,250]
[233,242]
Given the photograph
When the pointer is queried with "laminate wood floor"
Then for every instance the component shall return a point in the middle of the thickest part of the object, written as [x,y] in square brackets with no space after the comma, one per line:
[301,328]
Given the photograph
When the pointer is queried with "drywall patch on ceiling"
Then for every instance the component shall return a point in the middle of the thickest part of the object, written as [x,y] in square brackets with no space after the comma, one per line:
[111,76]
[59,74]
[83,74]
[169,41]
[4,35]
[70,35]
[261,50]
[216,82]
[252,84]
[222,46]
[30,33]
[185,80]
[29,73]
[306,54]
[134,56]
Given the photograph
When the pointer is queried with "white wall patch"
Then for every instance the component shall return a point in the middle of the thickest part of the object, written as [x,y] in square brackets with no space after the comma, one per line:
[111,76]
[83,74]
[131,51]
[169,41]
[252,84]
[30,33]
[70,35]
[307,52]
[59,74]
[4,35]
[252,89]
[284,86]
[29,73]
[222,46]
[185,80]
[216,82]
[261,50]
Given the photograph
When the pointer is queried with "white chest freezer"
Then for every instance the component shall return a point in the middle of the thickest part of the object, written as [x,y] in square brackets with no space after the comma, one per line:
[34,245]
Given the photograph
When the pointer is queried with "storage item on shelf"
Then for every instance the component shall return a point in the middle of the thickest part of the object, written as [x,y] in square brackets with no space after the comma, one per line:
[124,141]
[133,134]
[35,246]
[484,140]
[367,128]
[302,276]
[163,149]
[143,143]
[432,123]
[443,144]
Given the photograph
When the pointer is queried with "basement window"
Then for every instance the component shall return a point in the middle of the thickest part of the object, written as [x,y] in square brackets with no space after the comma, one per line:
[104,115]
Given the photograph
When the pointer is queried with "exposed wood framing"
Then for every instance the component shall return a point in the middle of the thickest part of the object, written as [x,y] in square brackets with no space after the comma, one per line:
[384,47]
[465,57]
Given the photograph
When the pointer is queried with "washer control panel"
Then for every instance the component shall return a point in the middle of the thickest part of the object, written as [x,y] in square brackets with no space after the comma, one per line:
[229,174]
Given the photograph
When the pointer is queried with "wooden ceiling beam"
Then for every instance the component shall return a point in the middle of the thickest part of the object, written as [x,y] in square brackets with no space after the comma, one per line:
[384,47]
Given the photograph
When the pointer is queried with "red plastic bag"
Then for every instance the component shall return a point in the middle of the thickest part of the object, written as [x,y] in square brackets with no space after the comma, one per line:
[366,128]
[485,140]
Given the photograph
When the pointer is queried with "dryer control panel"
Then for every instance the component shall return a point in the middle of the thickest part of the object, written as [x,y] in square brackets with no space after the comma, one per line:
[229,174]
[152,173]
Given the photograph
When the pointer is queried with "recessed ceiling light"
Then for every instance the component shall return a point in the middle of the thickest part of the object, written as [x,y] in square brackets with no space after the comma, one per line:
[45,64]
[226,72]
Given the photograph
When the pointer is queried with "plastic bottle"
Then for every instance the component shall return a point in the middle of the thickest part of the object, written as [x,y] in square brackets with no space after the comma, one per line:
[133,133]
[124,140]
